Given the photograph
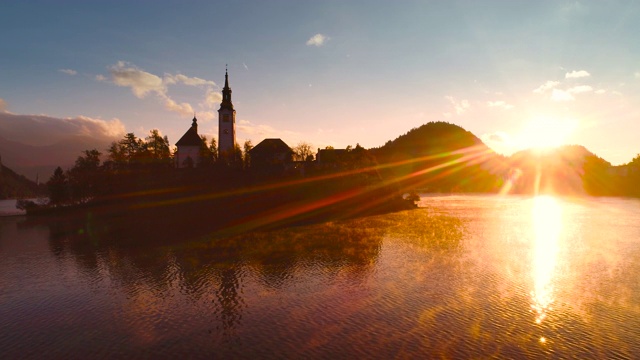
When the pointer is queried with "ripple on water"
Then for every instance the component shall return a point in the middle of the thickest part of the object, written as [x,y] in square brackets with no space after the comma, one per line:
[367,289]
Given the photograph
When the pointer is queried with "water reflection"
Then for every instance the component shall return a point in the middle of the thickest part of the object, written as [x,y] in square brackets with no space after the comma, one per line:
[447,281]
[547,225]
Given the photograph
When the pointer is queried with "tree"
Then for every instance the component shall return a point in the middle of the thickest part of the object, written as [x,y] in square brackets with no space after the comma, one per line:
[246,157]
[127,151]
[303,151]
[84,178]
[57,186]
[213,149]
[157,147]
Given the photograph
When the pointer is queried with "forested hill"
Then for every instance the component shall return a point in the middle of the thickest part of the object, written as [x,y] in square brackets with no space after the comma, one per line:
[14,186]
[569,170]
[439,156]
[430,138]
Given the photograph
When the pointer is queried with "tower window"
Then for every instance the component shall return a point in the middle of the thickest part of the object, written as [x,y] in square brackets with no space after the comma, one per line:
[225,117]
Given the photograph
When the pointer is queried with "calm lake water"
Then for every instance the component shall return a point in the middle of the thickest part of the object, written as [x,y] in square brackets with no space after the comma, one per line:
[461,277]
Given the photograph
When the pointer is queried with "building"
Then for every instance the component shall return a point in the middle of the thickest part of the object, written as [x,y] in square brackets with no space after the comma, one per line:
[189,145]
[226,122]
[330,156]
[271,155]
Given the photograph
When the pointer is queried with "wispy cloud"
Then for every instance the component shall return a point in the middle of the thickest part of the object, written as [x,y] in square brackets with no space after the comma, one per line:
[192,81]
[561,95]
[181,108]
[600,91]
[499,141]
[317,40]
[460,106]
[262,131]
[212,98]
[68,71]
[577,74]
[580,89]
[143,83]
[499,104]
[546,86]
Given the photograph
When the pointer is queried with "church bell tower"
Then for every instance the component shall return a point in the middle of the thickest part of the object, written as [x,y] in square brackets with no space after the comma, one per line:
[226,121]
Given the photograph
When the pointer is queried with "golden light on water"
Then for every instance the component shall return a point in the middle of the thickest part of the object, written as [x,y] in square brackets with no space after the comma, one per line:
[547,225]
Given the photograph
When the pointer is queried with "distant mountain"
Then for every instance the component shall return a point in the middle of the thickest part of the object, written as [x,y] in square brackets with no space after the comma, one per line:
[41,161]
[14,186]
[572,170]
[440,156]
[443,157]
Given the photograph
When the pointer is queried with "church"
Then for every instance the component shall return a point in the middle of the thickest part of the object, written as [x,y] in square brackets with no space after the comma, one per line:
[189,145]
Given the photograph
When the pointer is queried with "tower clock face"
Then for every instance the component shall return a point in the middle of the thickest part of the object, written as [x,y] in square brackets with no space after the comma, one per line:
[226,131]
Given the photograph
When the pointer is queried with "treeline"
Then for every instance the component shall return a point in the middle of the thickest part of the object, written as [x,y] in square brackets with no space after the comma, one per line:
[132,165]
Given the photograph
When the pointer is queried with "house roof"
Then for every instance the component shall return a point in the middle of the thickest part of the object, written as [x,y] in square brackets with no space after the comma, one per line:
[190,138]
[271,146]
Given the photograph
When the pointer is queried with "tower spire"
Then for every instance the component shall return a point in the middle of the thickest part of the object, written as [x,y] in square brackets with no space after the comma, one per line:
[226,92]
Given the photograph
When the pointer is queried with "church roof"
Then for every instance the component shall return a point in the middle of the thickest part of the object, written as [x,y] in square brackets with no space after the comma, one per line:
[271,146]
[190,138]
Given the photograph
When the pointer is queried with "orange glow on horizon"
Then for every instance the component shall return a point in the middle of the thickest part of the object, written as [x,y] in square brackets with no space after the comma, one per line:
[544,133]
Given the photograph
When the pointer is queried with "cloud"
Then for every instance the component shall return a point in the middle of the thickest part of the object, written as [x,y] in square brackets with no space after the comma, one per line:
[546,86]
[577,74]
[212,98]
[580,89]
[561,95]
[182,108]
[68,71]
[317,40]
[499,104]
[143,83]
[40,130]
[192,81]
[459,106]
[3,105]
[499,141]
[140,82]
[264,131]
[637,75]
[600,91]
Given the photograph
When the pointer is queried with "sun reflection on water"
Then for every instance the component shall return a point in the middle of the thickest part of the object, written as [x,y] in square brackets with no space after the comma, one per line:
[547,224]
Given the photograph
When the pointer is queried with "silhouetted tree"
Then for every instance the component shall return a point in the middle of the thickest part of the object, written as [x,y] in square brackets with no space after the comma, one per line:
[303,151]
[157,148]
[58,187]
[206,154]
[84,177]
[246,156]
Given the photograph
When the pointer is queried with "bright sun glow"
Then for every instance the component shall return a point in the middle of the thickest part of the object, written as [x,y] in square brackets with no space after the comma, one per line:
[545,133]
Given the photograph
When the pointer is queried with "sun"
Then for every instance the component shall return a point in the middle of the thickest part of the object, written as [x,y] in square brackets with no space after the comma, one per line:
[543,133]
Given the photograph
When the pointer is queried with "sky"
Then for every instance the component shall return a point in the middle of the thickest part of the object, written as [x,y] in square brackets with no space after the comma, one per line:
[515,73]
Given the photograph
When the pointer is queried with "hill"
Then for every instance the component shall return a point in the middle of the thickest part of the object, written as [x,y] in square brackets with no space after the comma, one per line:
[14,186]
[441,157]
[32,160]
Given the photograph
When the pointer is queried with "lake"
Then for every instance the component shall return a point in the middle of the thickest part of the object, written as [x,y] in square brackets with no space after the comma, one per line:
[460,277]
